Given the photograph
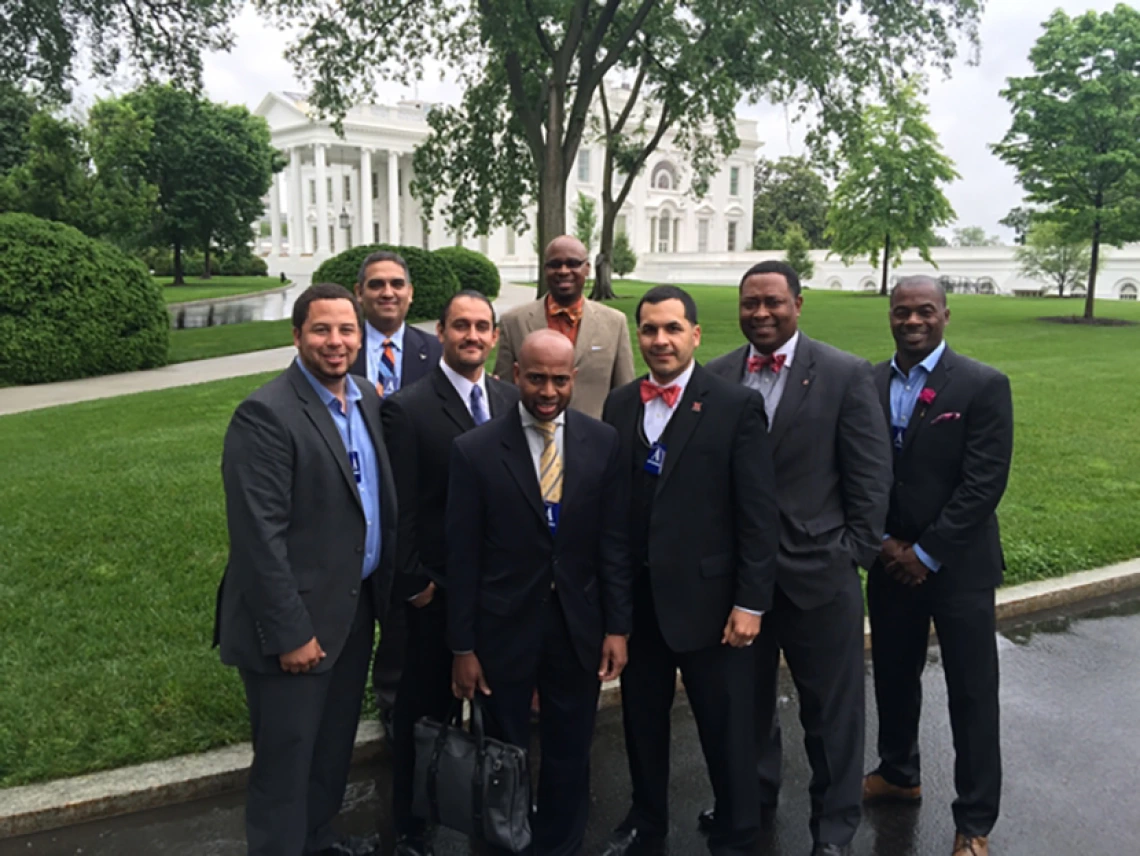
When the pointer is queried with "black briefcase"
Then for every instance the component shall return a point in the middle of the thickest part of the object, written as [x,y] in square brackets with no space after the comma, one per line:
[472,783]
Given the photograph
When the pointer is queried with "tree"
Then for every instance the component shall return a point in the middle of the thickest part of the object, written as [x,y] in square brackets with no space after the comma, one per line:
[1018,219]
[788,191]
[1075,135]
[41,39]
[797,252]
[974,236]
[16,111]
[889,197]
[1052,256]
[532,70]
[625,259]
[585,220]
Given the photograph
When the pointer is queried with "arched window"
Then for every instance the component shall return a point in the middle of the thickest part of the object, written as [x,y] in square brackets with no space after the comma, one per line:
[1128,291]
[664,176]
[986,286]
[835,284]
[663,232]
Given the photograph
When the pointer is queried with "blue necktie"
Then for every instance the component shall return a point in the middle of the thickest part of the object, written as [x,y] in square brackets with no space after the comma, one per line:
[478,411]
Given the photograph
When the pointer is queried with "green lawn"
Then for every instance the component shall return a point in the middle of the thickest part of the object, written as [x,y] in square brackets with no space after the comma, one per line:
[111,516]
[201,343]
[217,286]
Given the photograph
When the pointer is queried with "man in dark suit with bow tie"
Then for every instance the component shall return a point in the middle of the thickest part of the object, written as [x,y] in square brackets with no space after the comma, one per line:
[420,423]
[703,532]
[538,576]
[833,473]
[951,423]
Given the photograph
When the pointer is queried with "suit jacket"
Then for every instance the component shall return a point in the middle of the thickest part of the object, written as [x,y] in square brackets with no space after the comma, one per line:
[602,354]
[713,529]
[296,526]
[422,352]
[420,422]
[502,558]
[952,470]
[832,457]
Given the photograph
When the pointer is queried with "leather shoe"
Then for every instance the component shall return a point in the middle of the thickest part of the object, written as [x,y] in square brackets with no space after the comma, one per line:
[352,845]
[707,818]
[971,845]
[633,842]
[831,849]
[876,789]
[412,845]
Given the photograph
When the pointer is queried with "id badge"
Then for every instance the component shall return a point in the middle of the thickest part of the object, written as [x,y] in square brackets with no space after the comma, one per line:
[354,459]
[656,460]
[898,434]
[391,384]
[552,511]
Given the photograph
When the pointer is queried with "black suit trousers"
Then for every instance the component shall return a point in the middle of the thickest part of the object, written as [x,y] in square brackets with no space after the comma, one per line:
[303,729]
[425,690]
[391,654]
[568,697]
[824,651]
[719,682]
[900,631]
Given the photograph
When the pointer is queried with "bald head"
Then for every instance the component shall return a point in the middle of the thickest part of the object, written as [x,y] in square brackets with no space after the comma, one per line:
[544,374]
[566,265]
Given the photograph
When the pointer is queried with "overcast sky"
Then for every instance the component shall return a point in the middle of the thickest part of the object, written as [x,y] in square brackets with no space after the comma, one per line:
[966,110]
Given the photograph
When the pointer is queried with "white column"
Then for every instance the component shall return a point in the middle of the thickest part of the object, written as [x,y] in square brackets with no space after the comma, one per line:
[275,214]
[322,201]
[296,204]
[393,198]
[365,217]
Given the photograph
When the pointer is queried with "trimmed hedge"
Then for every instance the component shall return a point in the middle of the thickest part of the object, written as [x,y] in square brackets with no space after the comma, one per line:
[194,264]
[475,270]
[71,306]
[432,277]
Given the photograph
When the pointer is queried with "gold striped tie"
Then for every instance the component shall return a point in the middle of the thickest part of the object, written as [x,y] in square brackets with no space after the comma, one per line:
[550,464]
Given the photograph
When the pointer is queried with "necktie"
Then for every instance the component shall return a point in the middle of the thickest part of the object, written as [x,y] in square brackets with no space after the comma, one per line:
[478,411]
[773,361]
[668,394]
[549,464]
[388,356]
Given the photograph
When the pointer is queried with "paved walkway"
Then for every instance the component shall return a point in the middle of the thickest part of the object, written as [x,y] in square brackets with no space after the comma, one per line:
[20,398]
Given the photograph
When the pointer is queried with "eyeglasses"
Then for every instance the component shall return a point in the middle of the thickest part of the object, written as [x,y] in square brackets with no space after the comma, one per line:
[573,264]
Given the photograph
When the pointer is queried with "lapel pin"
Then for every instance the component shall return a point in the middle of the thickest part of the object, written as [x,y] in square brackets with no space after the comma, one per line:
[696,407]
[807,381]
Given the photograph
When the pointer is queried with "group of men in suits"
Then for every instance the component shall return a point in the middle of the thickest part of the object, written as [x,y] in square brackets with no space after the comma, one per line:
[562,524]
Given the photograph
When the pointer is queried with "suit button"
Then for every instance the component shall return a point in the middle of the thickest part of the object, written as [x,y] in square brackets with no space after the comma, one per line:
[355,592]
[898,484]
[359,549]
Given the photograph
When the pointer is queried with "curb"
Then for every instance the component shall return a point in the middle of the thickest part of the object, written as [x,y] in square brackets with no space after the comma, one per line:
[40,807]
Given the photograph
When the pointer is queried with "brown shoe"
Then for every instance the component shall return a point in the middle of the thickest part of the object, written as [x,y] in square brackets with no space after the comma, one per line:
[876,789]
[971,845]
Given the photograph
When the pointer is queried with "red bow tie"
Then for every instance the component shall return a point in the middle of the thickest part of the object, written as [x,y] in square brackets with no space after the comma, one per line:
[668,394]
[773,361]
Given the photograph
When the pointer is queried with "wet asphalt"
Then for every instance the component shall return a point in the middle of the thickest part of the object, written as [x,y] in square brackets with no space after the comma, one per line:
[1071,745]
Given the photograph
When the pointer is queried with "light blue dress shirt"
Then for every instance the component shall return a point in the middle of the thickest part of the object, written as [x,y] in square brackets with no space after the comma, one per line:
[354,434]
[375,341]
[905,389]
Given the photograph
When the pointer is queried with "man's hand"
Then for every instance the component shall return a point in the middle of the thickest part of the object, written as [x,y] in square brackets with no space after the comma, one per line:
[908,569]
[742,628]
[467,676]
[302,659]
[891,551]
[615,655]
[424,597]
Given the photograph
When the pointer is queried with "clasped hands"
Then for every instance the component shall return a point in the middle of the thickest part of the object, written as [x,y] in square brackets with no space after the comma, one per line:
[467,672]
[902,563]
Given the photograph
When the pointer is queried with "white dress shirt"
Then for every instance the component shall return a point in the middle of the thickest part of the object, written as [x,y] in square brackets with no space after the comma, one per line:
[535,440]
[463,386]
[767,382]
[658,413]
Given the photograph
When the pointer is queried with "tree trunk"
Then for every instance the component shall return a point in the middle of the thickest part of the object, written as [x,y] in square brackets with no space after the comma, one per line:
[886,264]
[206,262]
[603,279]
[178,278]
[1090,296]
[552,182]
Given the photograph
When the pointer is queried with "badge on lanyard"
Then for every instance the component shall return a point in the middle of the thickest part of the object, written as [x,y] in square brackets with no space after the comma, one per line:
[391,384]
[656,460]
[354,459]
[898,434]
[552,511]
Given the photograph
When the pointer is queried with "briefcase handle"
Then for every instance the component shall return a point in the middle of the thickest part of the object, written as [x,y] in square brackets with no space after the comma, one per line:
[455,717]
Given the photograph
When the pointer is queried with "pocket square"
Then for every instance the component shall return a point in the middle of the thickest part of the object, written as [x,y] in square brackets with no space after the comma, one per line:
[949,416]
[595,347]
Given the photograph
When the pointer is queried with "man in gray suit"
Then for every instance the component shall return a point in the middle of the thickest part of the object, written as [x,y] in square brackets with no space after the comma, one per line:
[833,474]
[311,511]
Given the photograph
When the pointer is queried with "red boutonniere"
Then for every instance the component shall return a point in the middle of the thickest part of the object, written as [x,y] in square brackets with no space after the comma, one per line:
[927,396]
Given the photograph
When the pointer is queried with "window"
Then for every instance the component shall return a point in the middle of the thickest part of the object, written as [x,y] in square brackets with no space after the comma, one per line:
[732,236]
[583,166]
[734,181]
[619,225]
[663,234]
[1128,291]
[703,235]
[332,238]
[375,185]
[347,189]
[399,181]
[313,248]
[375,230]
[664,176]
[312,191]
[328,189]
[510,241]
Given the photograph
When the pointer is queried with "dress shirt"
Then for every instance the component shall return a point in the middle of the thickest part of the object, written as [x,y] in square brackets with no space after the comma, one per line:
[375,342]
[535,441]
[658,413]
[766,382]
[354,434]
[567,320]
[463,386]
[905,389]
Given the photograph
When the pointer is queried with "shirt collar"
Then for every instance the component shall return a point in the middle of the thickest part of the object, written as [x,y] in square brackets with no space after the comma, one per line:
[351,391]
[528,418]
[788,349]
[682,381]
[927,364]
[462,385]
[573,312]
[376,338]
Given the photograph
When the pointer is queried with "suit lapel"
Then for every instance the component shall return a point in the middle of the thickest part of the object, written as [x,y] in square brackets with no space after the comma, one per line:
[322,420]
[883,385]
[415,357]
[453,406]
[520,464]
[801,375]
[574,454]
[498,400]
[684,421]
[938,380]
[586,330]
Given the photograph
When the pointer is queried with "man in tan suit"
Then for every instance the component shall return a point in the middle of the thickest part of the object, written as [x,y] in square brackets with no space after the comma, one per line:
[603,355]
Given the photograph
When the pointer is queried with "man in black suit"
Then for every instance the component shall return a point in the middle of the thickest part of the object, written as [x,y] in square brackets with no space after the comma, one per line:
[420,423]
[311,511]
[951,424]
[703,534]
[833,472]
[393,356]
[538,578]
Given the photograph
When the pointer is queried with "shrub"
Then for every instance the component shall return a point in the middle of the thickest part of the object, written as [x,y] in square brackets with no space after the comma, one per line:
[238,263]
[72,306]
[432,277]
[624,258]
[475,270]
